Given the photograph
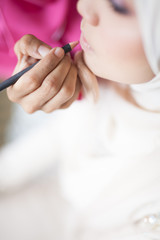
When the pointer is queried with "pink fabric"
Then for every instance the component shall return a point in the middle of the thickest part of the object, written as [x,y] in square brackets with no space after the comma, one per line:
[55,22]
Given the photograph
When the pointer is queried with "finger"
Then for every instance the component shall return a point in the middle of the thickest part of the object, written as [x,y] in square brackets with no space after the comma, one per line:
[66,92]
[33,79]
[75,96]
[88,79]
[25,62]
[29,45]
[49,88]
[28,49]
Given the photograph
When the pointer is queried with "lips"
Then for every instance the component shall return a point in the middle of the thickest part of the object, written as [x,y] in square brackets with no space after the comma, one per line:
[84,44]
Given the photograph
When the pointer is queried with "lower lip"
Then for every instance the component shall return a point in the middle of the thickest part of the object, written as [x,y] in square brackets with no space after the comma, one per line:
[84,44]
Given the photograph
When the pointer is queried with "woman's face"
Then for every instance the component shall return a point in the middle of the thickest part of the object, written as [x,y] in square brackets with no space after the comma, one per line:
[111,41]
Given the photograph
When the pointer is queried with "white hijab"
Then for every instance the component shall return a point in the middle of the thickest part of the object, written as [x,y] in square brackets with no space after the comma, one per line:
[148,12]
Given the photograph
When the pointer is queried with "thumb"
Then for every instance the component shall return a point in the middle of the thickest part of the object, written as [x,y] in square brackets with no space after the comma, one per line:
[31,46]
[88,79]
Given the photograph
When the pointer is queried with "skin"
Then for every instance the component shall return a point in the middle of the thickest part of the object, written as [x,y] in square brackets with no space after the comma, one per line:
[112,50]
[116,47]
[44,87]
[54,82]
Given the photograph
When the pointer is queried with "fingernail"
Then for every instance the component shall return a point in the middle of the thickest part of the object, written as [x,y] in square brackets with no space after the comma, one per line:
[43,51]
[59,52]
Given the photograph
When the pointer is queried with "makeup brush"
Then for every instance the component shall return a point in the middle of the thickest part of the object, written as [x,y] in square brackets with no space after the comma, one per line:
[10,81]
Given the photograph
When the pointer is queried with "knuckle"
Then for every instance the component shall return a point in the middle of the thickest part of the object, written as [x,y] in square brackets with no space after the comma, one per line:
[27,38]
[51,84]
[68,91]
[21,44]
[25,42]
[49,109]
[49,62]
[11,95]
[64,106]
[33,81]
[29,108]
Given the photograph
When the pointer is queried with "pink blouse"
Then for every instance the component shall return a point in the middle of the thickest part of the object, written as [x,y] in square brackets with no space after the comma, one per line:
[55,22]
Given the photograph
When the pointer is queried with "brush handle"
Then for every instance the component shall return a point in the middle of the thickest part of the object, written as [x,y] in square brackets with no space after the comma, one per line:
[15,77]
[10,81]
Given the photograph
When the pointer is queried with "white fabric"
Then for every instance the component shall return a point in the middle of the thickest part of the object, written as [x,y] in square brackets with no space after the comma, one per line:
[109,165]
[147,94]
[149,19]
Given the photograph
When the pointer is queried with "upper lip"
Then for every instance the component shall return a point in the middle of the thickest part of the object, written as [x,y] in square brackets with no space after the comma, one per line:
[85,39]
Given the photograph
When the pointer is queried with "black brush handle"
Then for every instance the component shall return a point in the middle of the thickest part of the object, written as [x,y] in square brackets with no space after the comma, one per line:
[10,81]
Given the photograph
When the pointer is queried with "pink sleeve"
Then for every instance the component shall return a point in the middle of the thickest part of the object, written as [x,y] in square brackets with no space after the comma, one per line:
[54,22]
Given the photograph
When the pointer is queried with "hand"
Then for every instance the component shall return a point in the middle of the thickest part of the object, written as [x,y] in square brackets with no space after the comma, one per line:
[51,84]
[89,81]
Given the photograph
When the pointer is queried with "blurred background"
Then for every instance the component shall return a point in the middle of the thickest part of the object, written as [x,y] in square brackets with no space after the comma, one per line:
[30,212]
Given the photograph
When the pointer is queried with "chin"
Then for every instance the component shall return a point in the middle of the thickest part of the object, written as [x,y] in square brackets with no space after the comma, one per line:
[92,65]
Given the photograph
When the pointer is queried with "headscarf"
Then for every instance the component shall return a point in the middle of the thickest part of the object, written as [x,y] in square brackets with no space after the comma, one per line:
[148,12]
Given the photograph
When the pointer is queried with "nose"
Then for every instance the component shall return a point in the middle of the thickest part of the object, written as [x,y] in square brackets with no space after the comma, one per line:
[87,10]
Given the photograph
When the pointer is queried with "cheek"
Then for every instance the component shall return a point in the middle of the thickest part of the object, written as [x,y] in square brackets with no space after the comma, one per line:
[122,39]
[120,57]
[127,58]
